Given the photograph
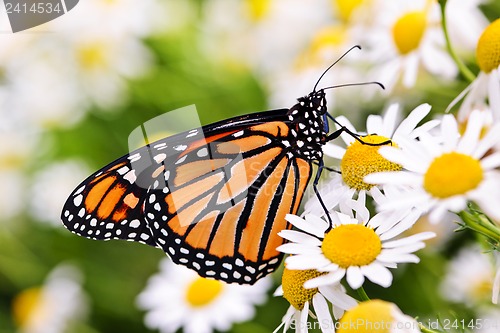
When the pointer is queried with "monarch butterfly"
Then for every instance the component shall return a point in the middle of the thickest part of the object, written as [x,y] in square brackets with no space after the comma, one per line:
[215,198]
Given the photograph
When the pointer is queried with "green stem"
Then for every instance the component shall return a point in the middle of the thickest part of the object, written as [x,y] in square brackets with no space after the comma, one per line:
[466,72]
[481,225]
[362,294]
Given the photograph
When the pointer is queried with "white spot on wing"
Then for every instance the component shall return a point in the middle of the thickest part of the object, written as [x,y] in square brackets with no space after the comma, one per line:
[160,145]
[180,147]
[78,200]
[135,223]
[130,176]
[160,158]
[202,152]
[180,160]
[134,157]
[80,190]
[123,170]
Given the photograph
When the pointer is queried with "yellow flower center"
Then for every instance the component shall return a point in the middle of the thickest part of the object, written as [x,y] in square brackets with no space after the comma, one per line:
[203,291]
[25,304]
[361,159]
[351,245]
[373,316]
[488,48]
[258,9]
[328,38]
[482,289]
[293,286]
[408,31]
[346,7]
[92,56]
[452,174]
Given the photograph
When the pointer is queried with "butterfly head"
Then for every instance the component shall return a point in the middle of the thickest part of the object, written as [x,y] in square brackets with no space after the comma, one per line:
[309,125]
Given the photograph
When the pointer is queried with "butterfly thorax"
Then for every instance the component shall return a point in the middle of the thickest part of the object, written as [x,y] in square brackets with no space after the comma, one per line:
[309,126]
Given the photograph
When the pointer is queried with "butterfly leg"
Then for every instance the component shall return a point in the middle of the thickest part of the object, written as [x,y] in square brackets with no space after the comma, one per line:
[356,136]
[328,168]
[321,166]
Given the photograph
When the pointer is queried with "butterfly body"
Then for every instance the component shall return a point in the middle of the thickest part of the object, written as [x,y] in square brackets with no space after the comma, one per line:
[212,198]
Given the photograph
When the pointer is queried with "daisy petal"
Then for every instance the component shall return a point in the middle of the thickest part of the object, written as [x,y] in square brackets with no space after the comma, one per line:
[487,196]
[299,237]
[334,151]
[488,141]
[469,139]
[390,119]
[330,278]
[293,248]
[290,313]
[460,96]
[402,224]
[491,161]
[329,268]
[347,138]
[398,258]
[317,222]
[301,262]
[374,125]
[425,128]
[337,312]
[354,277]
[393,178]
[404,249]
[410,71]
[413,119]
[278,291]
[493,89]
[314,227]
[323,312]
[378,274]
[408,240]
[338,297]
[449,132]
[303,318]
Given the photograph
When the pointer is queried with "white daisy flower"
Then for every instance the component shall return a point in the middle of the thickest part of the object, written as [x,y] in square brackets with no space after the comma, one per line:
[12,195]
[489,321]
[464,36]
[288,43]
[484,90]
[87,62]
[302,301]
[447,172]
[116,17]
[177,297]
[379,316]
[54,306]
[407,36]
[353,247]
[469,277]
[359,160]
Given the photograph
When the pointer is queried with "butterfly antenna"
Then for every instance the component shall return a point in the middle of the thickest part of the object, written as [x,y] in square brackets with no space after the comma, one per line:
[336,61]
[356,84]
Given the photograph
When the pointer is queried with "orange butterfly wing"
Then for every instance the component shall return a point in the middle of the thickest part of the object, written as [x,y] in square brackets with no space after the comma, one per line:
[214,203]
[220,216]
